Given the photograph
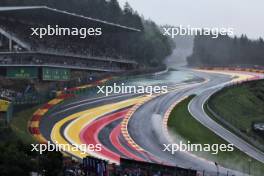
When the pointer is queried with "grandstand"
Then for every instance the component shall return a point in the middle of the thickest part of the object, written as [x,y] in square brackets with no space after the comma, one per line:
[21,51]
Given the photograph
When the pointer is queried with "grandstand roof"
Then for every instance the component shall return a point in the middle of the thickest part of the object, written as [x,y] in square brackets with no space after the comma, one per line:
[38,13]
[71,55]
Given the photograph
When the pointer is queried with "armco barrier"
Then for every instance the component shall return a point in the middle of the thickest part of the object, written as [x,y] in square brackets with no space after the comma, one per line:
[234,128]
[84,88]
[253,70]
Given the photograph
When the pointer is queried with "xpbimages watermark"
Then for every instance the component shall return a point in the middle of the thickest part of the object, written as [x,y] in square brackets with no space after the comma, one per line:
[194,31]
[124,89]
[189,147]
[65,31]
[50,147]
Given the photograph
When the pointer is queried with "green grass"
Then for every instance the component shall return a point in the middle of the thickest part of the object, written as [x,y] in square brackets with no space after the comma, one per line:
[186,128]
[241,106]
[19,125]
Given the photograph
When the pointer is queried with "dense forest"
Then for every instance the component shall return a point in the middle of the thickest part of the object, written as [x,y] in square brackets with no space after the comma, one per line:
[227,51]
[150,47]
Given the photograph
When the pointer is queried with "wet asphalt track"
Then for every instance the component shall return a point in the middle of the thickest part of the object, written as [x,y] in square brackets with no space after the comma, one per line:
[142,126]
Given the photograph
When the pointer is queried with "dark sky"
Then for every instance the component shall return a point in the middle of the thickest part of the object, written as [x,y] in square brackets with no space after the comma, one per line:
[245,16]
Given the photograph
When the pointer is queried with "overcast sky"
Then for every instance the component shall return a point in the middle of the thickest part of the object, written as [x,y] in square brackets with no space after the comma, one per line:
[245,16]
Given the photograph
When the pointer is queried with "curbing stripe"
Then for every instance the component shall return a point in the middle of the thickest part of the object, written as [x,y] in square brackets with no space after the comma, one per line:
[124,124]
[167,115]
[33,124]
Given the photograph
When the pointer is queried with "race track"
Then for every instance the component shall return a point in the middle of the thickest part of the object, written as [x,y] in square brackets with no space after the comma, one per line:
[141,137]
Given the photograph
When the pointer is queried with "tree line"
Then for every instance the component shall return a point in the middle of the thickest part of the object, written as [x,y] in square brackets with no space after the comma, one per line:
[227,51]
[149,47]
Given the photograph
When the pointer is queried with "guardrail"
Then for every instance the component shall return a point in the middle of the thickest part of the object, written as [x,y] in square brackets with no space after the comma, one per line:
[224,122]
[234,128]
[254,70]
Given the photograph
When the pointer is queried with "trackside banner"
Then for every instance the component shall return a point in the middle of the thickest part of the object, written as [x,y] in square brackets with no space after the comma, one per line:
[4,105]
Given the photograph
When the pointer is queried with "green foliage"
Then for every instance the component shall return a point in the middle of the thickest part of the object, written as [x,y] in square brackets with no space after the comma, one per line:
[16,158]
[187,128]
[51,163]
[182,123]
[149,47]
[226,51]
[241,106]
[19,125]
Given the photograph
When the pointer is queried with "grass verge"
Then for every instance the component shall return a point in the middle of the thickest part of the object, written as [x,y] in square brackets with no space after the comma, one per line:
[19,125]
[182,124]
[241,106]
